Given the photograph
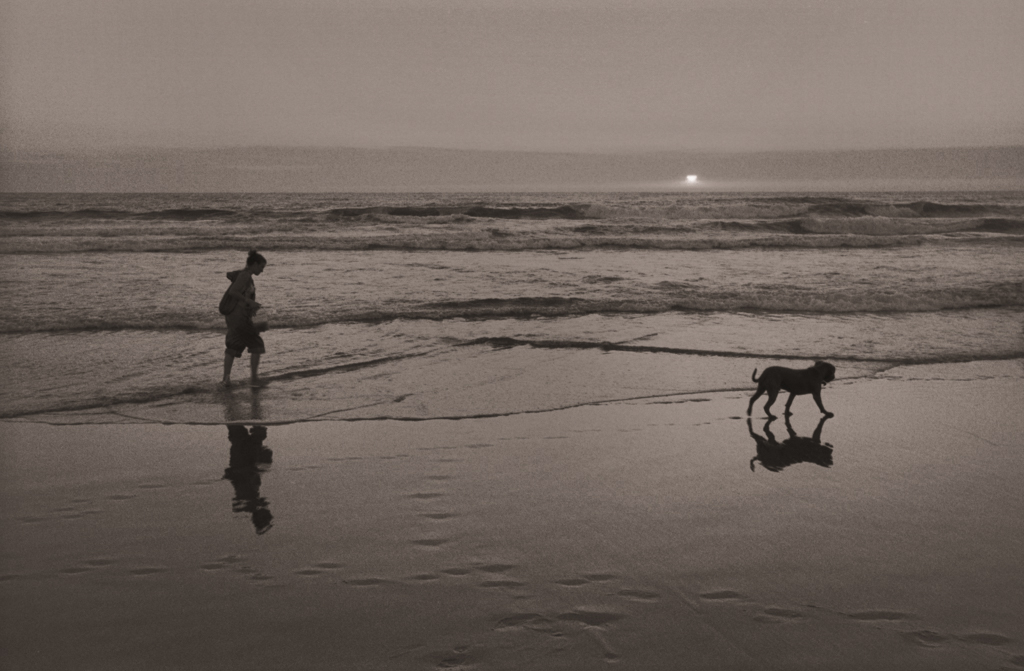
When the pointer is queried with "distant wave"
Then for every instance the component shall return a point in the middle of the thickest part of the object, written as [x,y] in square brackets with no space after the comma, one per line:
[354,212]
[863,232]
[186,214]
[929,209]
[476,211]
[177,214]
[1014,226]
[681,208]
[663,298]
[431,222]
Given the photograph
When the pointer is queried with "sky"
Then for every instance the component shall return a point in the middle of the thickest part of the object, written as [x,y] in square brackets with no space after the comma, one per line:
[531,75]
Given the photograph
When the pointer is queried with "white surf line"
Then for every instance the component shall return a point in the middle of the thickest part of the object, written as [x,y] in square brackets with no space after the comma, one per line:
[312,418]
[643,337]
[260,422]
[502,342]
[493,415]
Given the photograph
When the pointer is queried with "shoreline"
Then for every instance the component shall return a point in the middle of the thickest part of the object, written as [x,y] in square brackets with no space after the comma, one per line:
[484,386]
[646,534]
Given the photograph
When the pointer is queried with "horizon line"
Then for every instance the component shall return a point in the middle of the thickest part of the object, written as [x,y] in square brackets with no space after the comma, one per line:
[578,152]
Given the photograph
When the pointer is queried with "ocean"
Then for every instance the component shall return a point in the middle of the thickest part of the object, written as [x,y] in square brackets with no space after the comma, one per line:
[419,306]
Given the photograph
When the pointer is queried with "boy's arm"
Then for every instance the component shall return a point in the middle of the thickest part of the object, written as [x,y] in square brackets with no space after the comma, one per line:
[239,286]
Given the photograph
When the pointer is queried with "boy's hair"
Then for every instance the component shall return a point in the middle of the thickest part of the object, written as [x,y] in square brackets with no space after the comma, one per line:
[254,258]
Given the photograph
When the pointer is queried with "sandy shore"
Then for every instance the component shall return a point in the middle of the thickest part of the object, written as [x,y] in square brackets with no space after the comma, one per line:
[658,534]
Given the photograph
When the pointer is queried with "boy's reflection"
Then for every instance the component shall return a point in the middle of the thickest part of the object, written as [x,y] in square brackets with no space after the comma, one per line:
[235,408]
[775,456]
[248,455]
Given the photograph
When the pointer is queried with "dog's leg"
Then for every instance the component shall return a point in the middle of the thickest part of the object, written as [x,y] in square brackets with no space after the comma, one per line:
[772,393]
[757,395]
[817,399]
[789,402]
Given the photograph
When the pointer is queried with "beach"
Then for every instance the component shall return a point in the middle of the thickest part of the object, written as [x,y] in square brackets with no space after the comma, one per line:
[447,335]
[510,431]
[660,532]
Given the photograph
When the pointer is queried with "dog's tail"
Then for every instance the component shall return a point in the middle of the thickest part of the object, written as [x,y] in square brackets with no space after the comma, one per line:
[754,376]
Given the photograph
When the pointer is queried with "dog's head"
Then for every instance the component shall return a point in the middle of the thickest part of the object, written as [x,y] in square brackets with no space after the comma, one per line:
[826,370]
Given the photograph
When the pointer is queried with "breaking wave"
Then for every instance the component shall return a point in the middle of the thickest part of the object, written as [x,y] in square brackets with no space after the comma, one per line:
[154,223]
[665,297]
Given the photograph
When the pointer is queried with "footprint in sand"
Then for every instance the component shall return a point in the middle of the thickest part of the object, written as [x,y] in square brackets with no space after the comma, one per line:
[594,621]
[985,639]
[496,568]
[501,584]
[590,618]
[520,620]
[68,512]
[148,570]
[774,615]
[89,565]
[572,582]
[426,496]
[639,595]
[74,570]
[318,568]
[880,615]
[456,571]
[455,658]
[723,595]
[366,582]
[928,639]
[532,622]
[931,639]
[586,579]
[222,563]
[430,542]
[79,515]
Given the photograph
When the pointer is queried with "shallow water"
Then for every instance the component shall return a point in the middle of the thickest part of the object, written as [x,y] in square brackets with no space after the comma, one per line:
[111,298]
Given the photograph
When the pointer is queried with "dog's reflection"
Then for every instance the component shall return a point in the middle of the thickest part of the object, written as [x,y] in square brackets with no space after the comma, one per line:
[775,456]
[249,457]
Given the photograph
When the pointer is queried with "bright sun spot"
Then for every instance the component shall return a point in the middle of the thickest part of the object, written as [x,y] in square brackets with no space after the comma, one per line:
[691,179]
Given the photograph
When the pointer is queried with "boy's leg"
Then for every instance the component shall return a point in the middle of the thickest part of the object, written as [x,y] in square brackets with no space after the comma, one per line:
[254,366]
[229,359]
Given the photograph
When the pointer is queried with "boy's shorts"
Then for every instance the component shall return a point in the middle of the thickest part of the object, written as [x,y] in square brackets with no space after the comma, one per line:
[237,343]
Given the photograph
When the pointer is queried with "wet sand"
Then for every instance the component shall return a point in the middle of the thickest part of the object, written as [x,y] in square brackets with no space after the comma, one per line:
[664,533]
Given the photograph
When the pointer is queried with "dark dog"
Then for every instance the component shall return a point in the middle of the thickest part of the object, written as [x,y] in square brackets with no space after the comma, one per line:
[796,382]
